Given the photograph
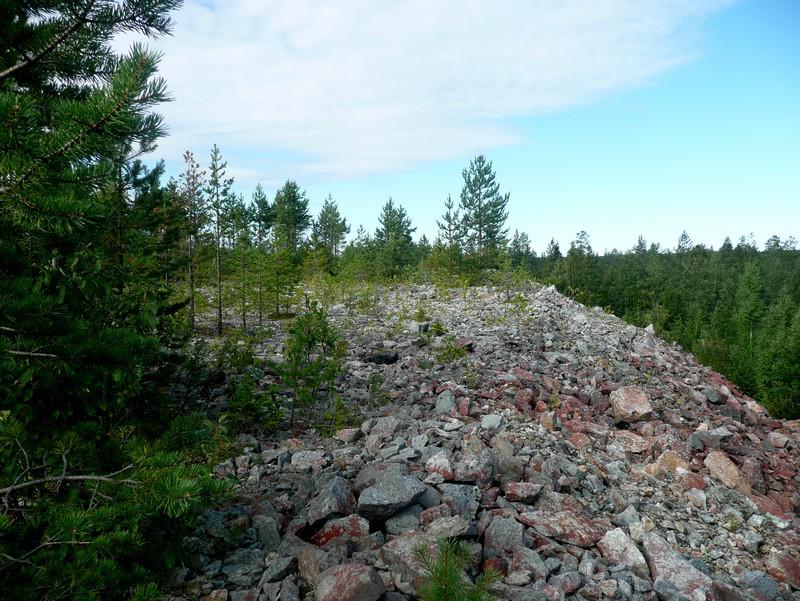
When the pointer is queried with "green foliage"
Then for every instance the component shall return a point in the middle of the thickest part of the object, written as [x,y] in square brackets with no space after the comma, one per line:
[313,360]
[393,243]
[98,476]
[250,409]
[484,214]
[447,580]
[448,351]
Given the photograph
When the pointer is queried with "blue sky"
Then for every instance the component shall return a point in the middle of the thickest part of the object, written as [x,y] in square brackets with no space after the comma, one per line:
[638,118]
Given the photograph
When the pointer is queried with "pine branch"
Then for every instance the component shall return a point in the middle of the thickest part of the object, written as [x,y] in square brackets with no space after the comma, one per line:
[51,46]
[27,354]
[63,478]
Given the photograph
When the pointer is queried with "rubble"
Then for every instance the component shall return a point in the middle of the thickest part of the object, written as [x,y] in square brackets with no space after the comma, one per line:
[581,457]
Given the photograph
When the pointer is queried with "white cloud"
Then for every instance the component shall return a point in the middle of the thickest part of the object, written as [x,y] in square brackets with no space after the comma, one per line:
[355,87]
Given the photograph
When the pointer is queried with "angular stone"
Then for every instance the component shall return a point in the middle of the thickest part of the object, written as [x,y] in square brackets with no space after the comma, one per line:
[400,555]
[492,422]
[784,566]
[630,404]
[305,461]
[372,473]
[440,464]
[445,403]
[389,496]
[502,537]
[673,575]
[618,549]
[522,492]
[403,521]
[723,469]
[350,582]
[777,440]
[352,526]
[449,527]
[564,526]
[348,435]
[669,462]
[463,499]
[334,498]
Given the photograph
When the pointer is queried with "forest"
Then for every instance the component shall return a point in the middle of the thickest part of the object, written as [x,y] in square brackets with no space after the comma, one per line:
[109,267]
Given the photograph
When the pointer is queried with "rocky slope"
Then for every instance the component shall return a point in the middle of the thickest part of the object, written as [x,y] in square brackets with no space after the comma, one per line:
[581,457]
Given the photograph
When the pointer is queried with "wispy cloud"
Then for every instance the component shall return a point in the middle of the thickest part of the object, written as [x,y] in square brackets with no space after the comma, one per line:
[356,87]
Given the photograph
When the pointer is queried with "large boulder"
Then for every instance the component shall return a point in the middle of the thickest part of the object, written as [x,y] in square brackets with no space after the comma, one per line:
[390,495]
[335,497]
[723,469]
[564,526]
[675,578]
[350,582]
[630,404]
[618,549]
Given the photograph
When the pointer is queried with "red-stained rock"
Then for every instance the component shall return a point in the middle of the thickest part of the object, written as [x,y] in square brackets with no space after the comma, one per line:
[723,469]
[352,526]
[630,404]
[522,375]
[564,526]
[434,513]
[580,440]
[350,582]
[784,566]
[693,480]
[671,572]
[522,492]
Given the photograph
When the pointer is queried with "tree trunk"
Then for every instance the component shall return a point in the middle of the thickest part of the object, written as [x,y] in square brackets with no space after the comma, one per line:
[191,284]
[219,275]
[244,297]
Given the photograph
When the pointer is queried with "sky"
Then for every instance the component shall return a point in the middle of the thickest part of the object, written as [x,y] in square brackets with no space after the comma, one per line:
[618,117]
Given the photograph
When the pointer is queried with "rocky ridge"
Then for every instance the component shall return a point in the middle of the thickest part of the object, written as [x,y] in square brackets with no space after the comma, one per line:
[581,457]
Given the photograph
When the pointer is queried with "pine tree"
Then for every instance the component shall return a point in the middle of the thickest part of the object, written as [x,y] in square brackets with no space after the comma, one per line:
[292,218]
[484,212]
[263,220]
[218,190]
[328,232]
[393,239]
[91,497]
[191,189]
[450,233]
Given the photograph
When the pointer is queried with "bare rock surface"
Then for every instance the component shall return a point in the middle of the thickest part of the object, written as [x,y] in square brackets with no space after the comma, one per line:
[581,457]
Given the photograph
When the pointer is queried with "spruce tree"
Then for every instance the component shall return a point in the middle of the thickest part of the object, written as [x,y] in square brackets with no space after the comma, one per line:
[484,212]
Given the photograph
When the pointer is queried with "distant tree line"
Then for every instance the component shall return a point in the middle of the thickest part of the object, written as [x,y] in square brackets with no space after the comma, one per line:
[737,308]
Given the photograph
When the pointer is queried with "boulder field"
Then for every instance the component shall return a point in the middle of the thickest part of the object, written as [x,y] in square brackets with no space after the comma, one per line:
[580,457]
